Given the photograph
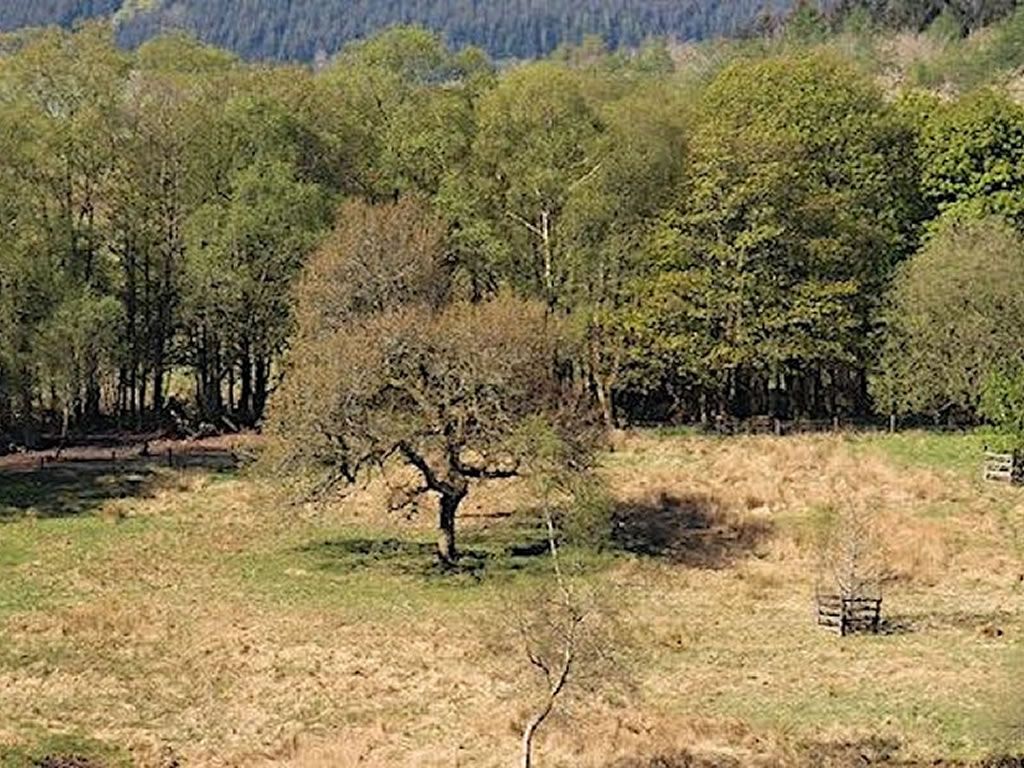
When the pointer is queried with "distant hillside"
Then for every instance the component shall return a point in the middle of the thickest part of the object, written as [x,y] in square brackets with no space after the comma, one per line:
[299,29]
[15,14]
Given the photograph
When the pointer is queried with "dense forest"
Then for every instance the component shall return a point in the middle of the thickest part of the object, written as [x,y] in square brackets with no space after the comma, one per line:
[32,13]
[519,29]
[302,30]
[308,29]
[807,224]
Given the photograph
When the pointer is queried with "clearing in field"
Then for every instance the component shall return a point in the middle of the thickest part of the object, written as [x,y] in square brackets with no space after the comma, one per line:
[154,616]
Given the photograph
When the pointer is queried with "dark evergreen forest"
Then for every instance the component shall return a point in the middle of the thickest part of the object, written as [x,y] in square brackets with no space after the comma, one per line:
[301,29]
[34,13]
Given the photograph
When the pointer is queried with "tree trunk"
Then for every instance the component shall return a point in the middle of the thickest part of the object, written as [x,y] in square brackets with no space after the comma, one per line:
[604,399]
[245,400]
[529,733]
[158,387]
[446,550]
[29,434]
[549,281]
[261,385]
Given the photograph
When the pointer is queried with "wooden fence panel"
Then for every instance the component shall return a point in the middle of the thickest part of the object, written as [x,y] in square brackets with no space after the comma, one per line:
[850,615]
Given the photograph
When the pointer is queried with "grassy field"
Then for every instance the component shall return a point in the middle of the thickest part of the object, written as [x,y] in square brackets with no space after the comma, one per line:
[201,618]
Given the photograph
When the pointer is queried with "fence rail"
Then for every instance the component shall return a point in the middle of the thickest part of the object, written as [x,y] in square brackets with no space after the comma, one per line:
[849,615]
[1004,467]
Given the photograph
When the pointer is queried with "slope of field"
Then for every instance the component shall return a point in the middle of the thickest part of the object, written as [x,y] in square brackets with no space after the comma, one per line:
[197,617]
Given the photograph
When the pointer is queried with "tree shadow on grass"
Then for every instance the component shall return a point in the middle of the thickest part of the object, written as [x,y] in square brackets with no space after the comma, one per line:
[691,530]
[479,557]
[63,492]
[81,487]
[992,624]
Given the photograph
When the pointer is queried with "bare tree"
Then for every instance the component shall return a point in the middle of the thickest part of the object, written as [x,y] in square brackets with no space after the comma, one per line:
[552,642]
[851,560]
[568,634]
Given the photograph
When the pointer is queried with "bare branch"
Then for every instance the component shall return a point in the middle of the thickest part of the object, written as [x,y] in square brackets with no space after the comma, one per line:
[434,483]
[586,177]
[529,225]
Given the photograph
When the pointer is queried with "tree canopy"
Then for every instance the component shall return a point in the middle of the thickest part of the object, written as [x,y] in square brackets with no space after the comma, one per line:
[707,241]
[953,319]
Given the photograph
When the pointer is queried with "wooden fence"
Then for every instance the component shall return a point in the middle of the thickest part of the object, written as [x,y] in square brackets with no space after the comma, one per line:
[849,615]
[216,455]
[768,425]
[1004,467]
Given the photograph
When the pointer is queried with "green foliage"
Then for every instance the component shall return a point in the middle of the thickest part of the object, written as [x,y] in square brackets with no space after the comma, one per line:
[407,102]
[945,28]
[1002,402]
[991,56]
[959,17]
[806,24]
[182,54]
[536,144]
[714,240]
[953,314]
[971,153]
[798,200]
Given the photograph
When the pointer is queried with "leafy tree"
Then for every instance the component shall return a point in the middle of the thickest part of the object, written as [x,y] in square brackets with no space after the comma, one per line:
[800,198]
[607,220]
[408,102]
[75,343]
[377,259]
[952,319]
[1002,401]
[59,94]
[158,182]
[972,156]
[806,23]
[25,286]
[451,389]
[182,54]
[244,256]
[537,143]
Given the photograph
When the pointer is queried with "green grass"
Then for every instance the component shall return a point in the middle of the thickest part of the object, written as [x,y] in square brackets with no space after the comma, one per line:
[41,747]
[960,452]
[366,573]
[39,558]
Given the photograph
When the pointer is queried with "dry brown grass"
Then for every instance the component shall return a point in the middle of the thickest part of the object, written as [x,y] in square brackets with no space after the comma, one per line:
[193,624]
